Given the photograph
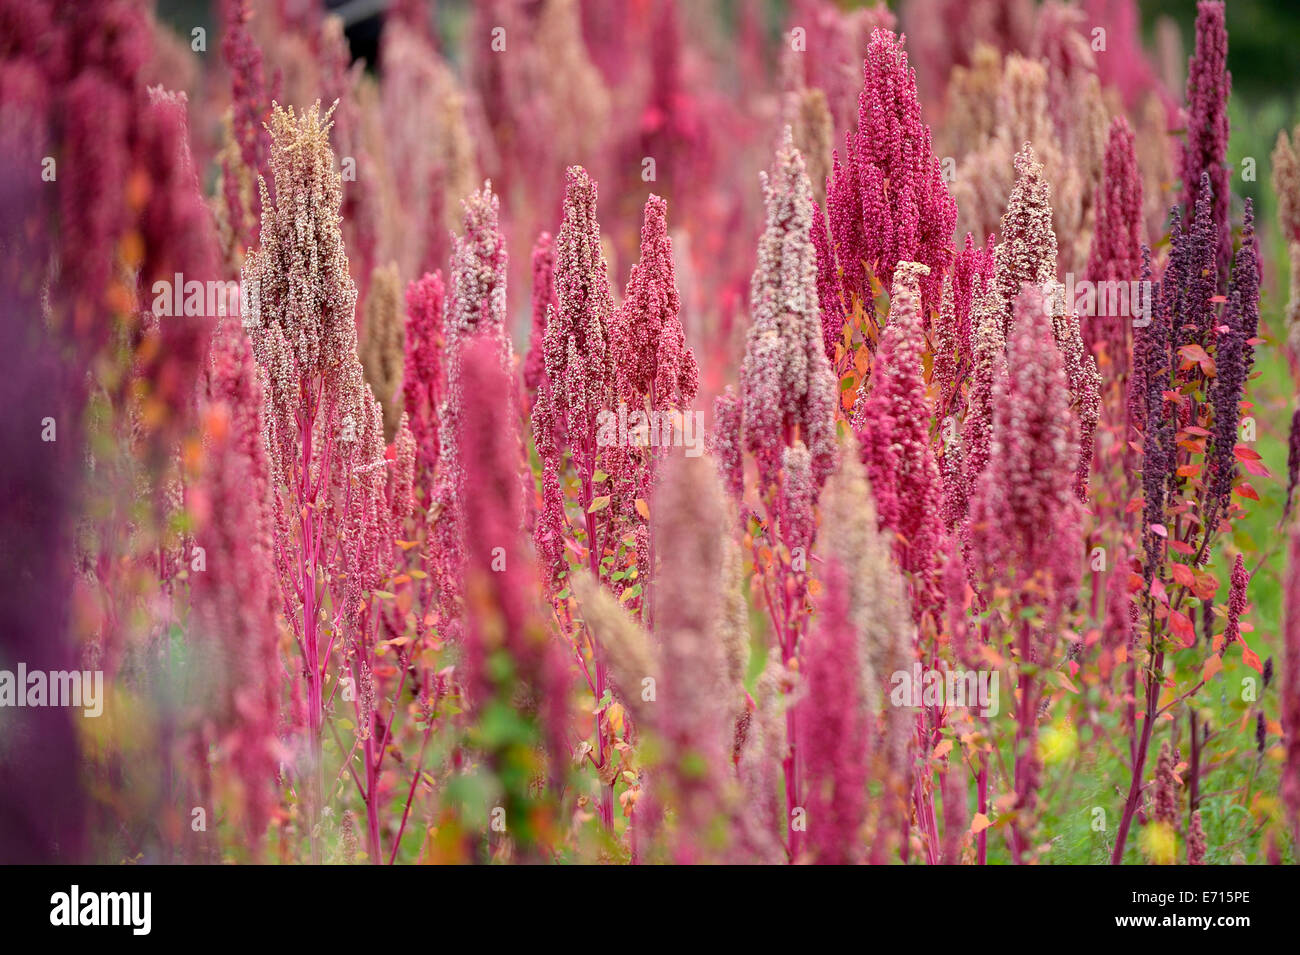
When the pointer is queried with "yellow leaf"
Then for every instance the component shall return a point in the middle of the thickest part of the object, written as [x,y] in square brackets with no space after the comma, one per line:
[598,504]
[615,716]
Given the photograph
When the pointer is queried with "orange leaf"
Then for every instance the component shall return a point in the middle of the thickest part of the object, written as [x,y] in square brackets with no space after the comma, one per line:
[643,508]
[1212,666]
[943,749]
[979,823]
[1181,624]
[1251,659]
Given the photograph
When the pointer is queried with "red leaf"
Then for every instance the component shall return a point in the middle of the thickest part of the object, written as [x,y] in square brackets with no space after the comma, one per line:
[1245,490]
[1243,453]
[1159,529]
[1257,468]
[1158,590]
[1182,627]
[1183,575]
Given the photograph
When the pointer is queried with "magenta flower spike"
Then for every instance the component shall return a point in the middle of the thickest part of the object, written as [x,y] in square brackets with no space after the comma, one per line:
[892,423]
[887,200]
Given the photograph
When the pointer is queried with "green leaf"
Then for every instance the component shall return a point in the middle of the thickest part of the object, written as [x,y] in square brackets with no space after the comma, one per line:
[598,504]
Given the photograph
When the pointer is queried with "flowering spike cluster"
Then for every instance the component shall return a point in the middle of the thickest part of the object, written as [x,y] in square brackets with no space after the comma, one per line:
[175,232]
[727,425]
[383,342]
[1116,251]
[476,302]
[829,288]
[1206,150]
[1239,581]
[953,345]
[543,300]
[892,423]
[693,713]
[299,297]
[798,497]
[502,625]
[1165,808]
[1194,313]
[579,365]
[833,736]
[1026,252]
[1025,519]
[1289,687]
[422,384]
[549,531]
[787,386]
[887,201]
[1151,354]
[649,344]
[1117,631]
[234,601]
[1286,186]
[1084,381]
[988,368]
[476,309]
[1232,359]
[1196,841]
[878,610]
[249,108]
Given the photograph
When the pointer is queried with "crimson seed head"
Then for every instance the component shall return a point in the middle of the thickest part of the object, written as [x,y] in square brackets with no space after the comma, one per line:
[892,423]
[1240,578]
[1196,841]
[1025,516]
[887,201]
[1205,151]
